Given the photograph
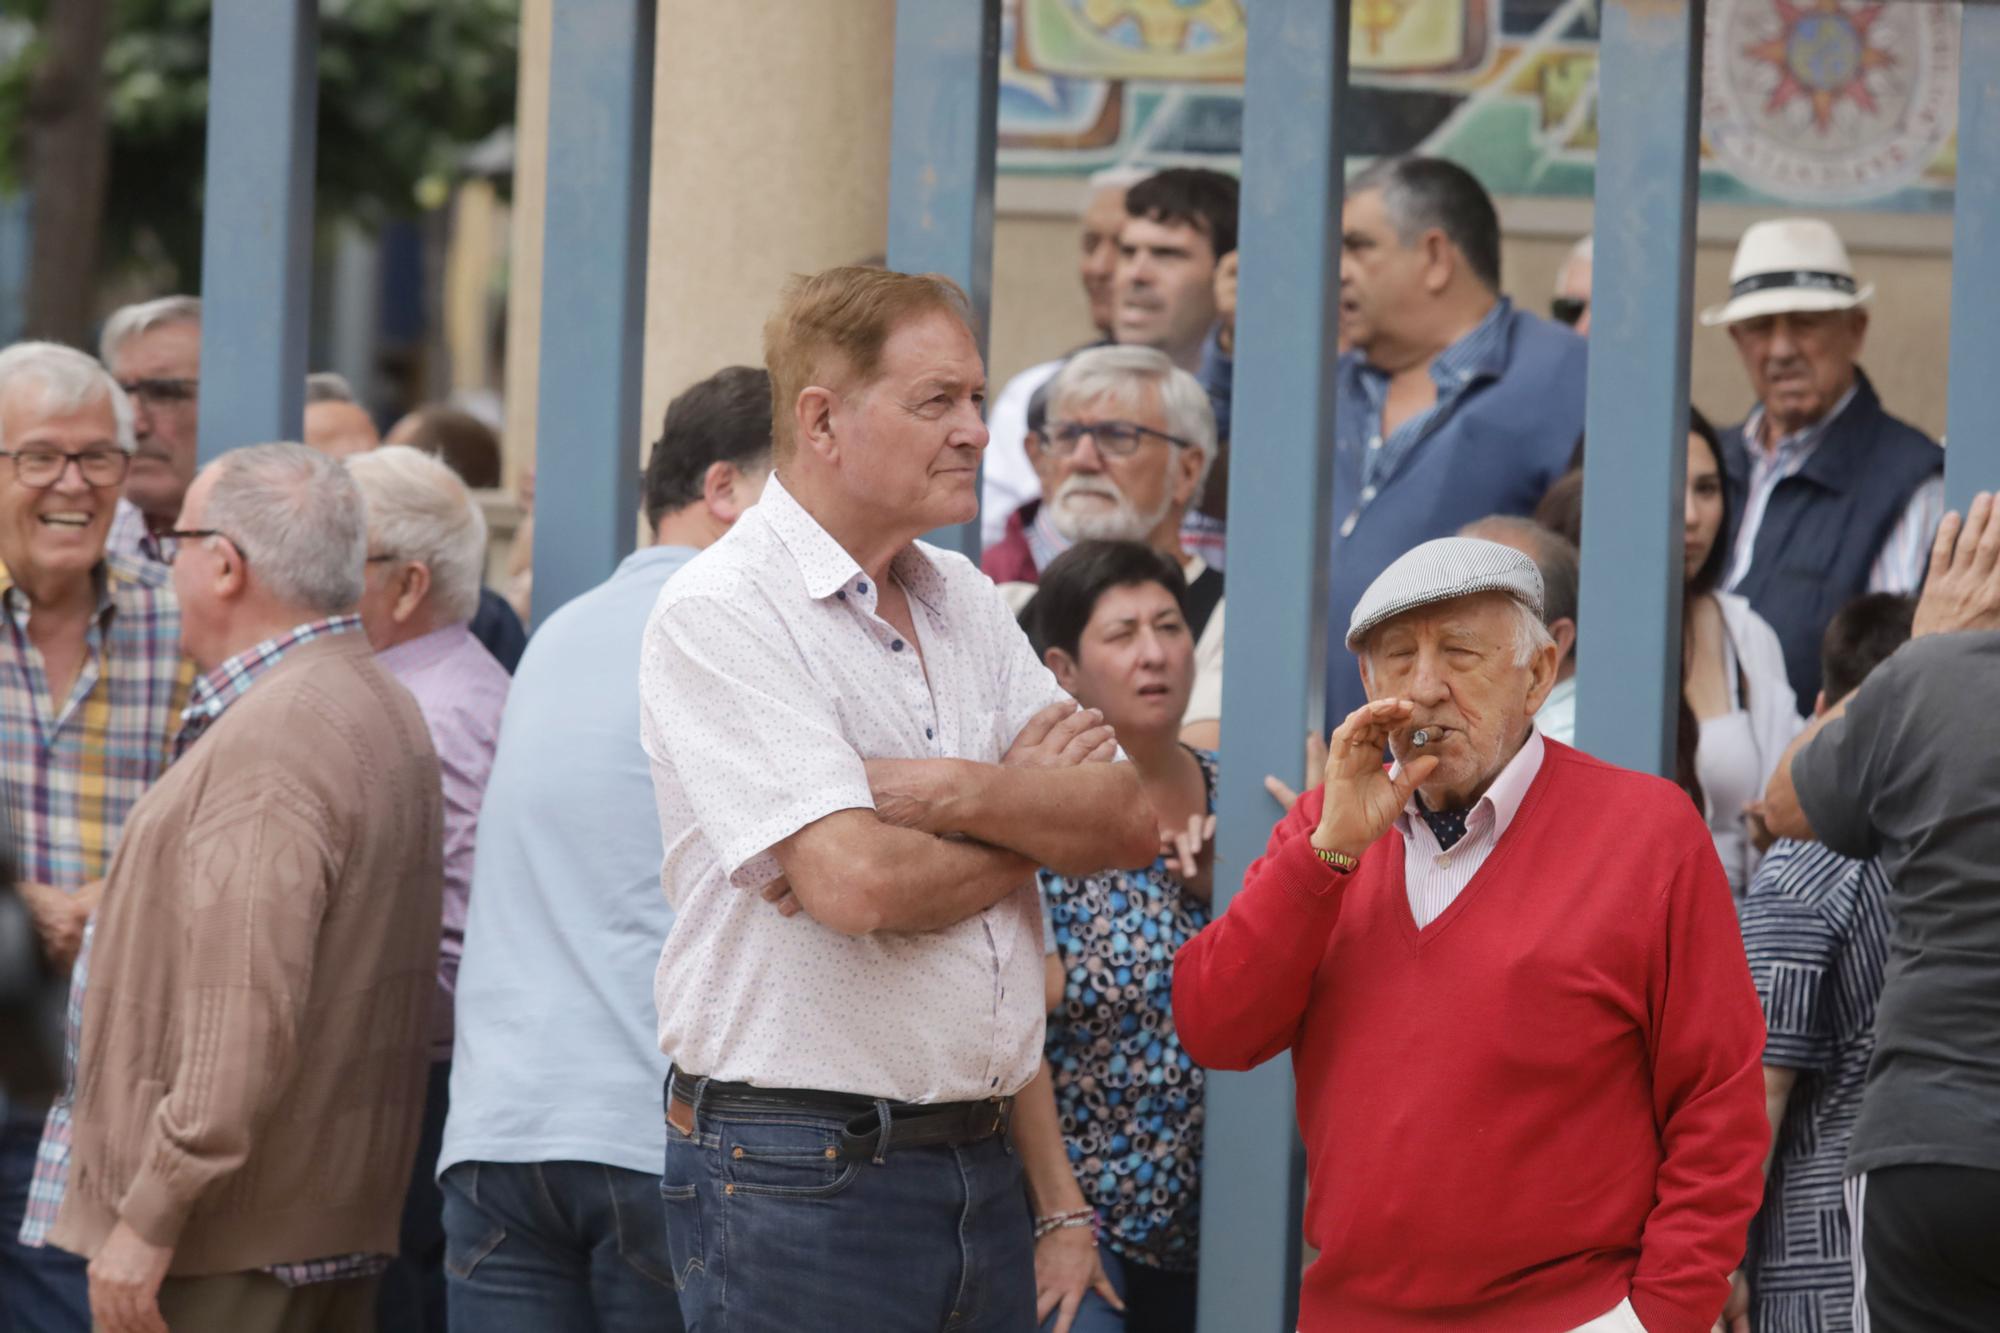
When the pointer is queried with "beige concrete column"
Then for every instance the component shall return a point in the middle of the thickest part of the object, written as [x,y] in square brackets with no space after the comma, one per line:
[770,157]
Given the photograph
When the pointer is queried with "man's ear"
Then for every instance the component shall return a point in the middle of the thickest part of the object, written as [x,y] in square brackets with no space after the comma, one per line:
[812,421]
[1820,704]
[1063,666]
[722,492]
[1187,475]
[1563,631]
[1440,260]
[1541,676]
[416,585]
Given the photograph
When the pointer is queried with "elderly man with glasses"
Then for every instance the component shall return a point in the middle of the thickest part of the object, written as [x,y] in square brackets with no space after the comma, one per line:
[153,350]
[1127,448]
[91,683]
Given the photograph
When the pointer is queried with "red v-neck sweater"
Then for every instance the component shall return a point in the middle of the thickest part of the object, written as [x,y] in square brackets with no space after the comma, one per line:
[1545,1101]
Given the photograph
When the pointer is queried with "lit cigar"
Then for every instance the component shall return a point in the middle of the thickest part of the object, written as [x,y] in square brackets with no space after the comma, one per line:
[1420,738]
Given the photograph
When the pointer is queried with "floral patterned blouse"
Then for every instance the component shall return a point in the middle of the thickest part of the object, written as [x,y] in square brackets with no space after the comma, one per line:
[1128,1095]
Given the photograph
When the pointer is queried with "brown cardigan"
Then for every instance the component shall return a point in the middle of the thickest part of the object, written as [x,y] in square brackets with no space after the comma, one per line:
[252,1069]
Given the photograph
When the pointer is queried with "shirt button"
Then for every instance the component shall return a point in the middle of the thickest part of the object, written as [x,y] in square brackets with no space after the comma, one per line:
[842,595]
[1444,860]
[1375,442]
[895,645]
[861,586]
[929,734]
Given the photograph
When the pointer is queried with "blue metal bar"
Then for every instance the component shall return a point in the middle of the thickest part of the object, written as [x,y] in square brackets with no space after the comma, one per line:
[1636,411]
[943,120]
[257,224]
[587,427]
[1281,471]
[1972,399]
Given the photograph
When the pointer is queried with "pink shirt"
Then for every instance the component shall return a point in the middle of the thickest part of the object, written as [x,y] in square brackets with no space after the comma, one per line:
[1434,876]
[766,680]
[462,690]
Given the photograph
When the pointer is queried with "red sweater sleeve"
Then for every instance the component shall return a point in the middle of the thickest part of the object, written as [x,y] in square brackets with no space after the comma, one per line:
[1241,985]
[1708,1099]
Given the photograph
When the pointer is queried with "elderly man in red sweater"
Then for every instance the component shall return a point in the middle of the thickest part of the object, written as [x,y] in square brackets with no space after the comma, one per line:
[1524,1033]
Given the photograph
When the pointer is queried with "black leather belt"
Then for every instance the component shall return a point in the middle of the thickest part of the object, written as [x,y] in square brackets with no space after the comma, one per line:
[911,1124]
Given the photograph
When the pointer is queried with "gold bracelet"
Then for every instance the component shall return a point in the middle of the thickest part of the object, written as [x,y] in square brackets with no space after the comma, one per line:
[1342,863]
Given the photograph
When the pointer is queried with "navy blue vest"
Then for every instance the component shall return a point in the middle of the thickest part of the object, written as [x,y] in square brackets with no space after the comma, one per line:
[1825,525]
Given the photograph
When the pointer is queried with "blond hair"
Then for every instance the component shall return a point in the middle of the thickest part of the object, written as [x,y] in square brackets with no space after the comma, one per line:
[830,328]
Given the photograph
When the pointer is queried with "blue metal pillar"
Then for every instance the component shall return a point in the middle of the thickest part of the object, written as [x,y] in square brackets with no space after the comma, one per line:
[257,222]
[1972,400]
[1636,412]
[1280,471]
[943,120]
[587,428]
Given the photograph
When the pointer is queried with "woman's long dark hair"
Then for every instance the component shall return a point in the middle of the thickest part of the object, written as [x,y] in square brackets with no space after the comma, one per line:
[1705,581]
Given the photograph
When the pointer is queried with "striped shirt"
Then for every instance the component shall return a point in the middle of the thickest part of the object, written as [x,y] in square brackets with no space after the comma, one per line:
[209,697]
[1435,876]
[1905,555]
[1816,927]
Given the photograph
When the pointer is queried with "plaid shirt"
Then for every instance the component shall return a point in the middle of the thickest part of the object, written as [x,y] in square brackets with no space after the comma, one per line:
[209,699]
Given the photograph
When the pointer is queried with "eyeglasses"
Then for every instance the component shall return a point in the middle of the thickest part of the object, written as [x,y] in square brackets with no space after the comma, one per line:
[382,559]
[169,542]
[1115,439]
[161,392]
[1568,309]
[40,469]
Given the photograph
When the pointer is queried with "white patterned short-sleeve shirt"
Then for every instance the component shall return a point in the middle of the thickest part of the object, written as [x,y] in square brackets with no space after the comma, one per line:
[767,680]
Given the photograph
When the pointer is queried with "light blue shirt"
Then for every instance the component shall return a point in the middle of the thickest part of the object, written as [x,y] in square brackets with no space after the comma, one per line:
[557,1057]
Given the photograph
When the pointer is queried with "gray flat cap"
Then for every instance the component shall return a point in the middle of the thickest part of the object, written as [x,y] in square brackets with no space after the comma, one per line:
[1439,571]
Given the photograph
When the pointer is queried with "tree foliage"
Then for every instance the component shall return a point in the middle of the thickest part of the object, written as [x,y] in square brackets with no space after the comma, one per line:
[405,87]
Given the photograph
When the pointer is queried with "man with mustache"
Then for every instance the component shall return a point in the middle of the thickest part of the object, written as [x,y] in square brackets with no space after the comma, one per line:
[1830,497]
[1127,448]
[1509,976]
[153,350]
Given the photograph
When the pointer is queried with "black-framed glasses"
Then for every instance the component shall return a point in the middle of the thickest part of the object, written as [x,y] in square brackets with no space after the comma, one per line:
[381,559]
[1115,439]
[40,469]
[161,391]
[169,542]
[1568,309]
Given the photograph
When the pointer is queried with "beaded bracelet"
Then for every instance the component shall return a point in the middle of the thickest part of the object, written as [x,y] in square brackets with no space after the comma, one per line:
[1081,1217]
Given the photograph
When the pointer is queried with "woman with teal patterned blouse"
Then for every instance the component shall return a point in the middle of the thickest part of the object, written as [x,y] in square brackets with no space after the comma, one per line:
[1109,621]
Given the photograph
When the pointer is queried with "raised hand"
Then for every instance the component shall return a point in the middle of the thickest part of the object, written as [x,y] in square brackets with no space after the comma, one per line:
[1315,765]
[1362,798]
[1962,589]
[1060,736]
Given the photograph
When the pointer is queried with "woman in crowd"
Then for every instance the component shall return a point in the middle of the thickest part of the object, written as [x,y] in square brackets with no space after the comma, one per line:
[1738,712]
[1109,621]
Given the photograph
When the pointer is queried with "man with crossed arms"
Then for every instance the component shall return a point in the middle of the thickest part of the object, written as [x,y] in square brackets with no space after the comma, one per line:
[836,709]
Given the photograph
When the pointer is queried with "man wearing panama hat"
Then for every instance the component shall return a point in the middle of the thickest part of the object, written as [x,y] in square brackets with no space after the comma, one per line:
[1829,496]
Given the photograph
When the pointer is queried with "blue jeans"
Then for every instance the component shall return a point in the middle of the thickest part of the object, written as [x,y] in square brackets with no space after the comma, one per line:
[1156,1301]
[42,1290]
[772,1231]
[538,1246]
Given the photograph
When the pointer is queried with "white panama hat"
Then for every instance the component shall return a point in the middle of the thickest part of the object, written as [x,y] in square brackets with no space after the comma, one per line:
[1788,265]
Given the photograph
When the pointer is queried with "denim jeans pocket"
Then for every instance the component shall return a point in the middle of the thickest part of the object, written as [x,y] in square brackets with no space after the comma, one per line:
[469,1234]
[783,1158]
[688,1165]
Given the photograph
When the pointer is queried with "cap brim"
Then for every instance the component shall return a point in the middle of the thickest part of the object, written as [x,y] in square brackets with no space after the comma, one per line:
[1782,301]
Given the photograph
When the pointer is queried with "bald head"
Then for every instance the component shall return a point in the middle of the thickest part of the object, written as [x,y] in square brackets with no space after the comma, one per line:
[340,429]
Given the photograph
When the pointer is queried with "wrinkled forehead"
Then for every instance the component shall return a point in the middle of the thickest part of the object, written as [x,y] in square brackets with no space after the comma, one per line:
[30,406]
[165,351]
[1128,399]
[1478,618]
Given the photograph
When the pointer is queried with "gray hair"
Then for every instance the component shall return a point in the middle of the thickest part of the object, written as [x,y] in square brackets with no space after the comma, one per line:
[327,386]
[1554,555]
[1120,373]
[419,510]
[69,381]
[1421,194]
[298,519]
[128,322]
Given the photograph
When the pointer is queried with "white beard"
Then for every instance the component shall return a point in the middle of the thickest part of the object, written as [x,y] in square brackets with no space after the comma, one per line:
[1120,523]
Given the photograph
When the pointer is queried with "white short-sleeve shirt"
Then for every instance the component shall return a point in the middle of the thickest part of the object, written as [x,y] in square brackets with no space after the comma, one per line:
[766,681]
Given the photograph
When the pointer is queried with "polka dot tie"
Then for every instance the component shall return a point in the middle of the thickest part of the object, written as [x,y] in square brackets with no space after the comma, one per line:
[1448,825]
